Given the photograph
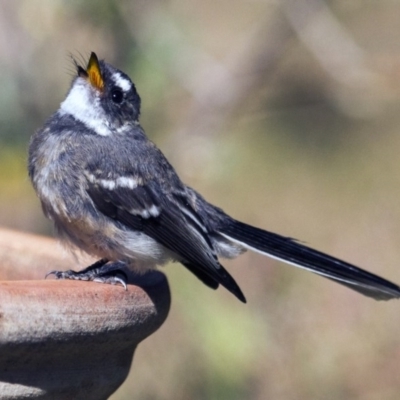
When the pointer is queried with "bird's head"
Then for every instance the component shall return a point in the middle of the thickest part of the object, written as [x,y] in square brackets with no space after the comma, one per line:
[102,97]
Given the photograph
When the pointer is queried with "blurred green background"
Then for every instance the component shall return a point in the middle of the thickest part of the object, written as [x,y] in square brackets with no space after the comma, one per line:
[284,113]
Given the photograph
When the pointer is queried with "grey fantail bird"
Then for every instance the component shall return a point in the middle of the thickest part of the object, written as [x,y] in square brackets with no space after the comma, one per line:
[111,192]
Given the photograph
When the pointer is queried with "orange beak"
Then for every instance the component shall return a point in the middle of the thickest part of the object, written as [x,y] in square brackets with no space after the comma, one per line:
[94,73]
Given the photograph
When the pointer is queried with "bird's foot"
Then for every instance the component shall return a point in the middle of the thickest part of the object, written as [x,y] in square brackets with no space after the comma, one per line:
[101,271]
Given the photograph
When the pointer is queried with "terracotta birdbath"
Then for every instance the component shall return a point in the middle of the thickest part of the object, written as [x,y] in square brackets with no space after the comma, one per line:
[68,339]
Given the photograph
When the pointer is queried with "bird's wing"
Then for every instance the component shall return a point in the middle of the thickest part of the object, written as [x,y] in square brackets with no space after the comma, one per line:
[168,219]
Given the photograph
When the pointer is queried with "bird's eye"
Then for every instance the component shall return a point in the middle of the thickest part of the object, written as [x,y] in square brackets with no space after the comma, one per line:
[117,95]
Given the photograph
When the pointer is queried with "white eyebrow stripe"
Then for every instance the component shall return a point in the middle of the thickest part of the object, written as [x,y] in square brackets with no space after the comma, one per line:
[123,83]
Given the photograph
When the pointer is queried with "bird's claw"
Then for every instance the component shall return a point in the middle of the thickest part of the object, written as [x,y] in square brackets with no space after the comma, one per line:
[117,279]
[104,274]
[69,274]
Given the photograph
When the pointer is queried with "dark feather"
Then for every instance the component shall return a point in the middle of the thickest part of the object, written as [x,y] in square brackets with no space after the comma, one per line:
[289,250]
[175,228]
[205,278]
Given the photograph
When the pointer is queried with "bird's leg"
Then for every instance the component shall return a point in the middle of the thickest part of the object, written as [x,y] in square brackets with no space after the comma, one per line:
[101,271]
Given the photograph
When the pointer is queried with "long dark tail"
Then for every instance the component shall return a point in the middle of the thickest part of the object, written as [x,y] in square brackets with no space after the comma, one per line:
[292,252]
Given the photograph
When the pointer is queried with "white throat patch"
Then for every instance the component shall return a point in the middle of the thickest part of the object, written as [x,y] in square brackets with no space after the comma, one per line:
[86,108]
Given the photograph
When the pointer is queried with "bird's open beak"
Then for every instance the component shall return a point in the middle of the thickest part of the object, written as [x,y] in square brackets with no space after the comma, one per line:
[93,72]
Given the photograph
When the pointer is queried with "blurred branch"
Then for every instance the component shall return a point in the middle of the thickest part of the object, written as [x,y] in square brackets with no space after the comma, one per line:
[328,40]
[220,88]
[217,88]
[361,90]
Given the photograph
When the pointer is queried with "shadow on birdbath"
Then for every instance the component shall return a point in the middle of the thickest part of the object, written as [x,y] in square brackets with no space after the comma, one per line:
[68,339]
